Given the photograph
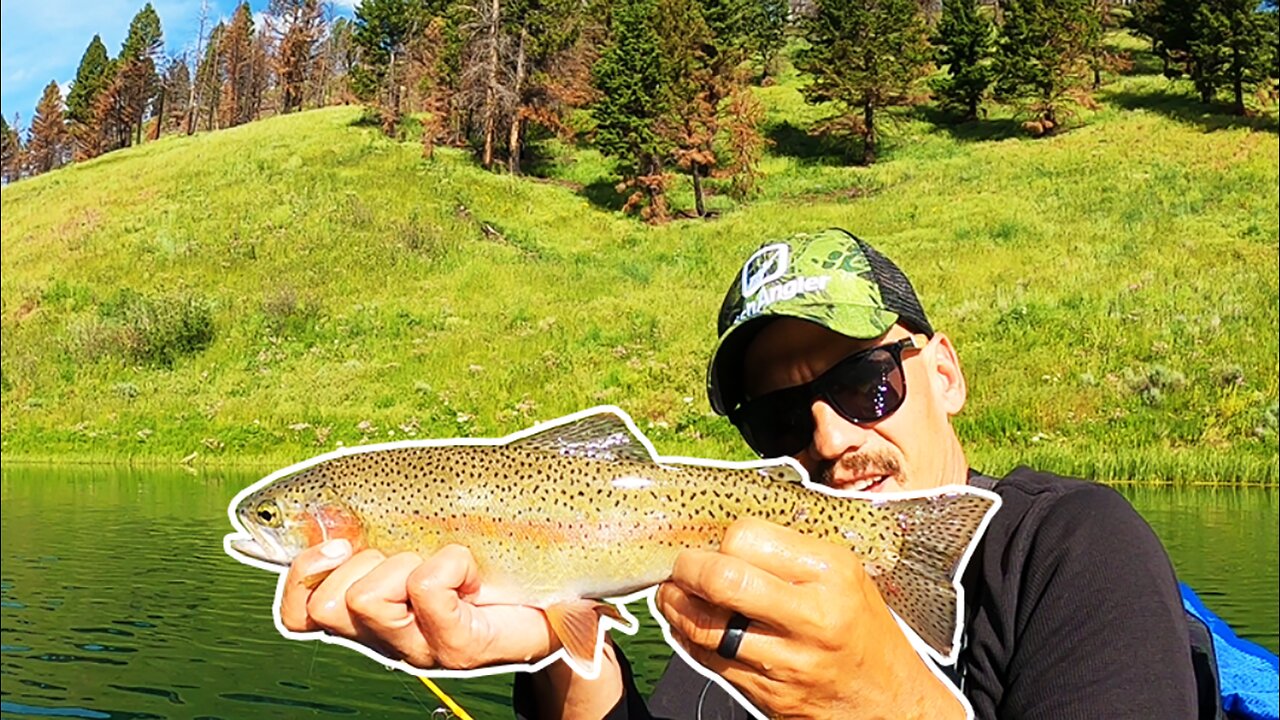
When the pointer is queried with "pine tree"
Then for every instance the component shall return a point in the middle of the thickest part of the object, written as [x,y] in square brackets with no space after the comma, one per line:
[1044,58]
[769,33]
[1232,48]
[965,45]
[629,77]
[91,77]
[691,90]
[112,117]
[542,35]
[176,87]
[1168,24]
[236,69]
[864,56]
[382,31]
[298,25]
[49,146]
[138,56]
[11,151]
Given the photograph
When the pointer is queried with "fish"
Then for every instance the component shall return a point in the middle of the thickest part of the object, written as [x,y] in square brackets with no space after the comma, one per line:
[574,512]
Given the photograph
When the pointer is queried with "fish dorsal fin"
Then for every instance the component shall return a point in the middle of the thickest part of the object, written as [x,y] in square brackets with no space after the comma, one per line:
[604,435]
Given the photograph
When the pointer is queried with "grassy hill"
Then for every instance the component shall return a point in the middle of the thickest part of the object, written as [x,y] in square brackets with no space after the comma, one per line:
[261,294]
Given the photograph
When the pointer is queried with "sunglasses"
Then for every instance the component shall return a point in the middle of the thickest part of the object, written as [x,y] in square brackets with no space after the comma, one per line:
[862,388]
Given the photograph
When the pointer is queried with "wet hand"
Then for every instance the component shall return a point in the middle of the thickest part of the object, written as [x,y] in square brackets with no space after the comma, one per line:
[821,642]
[409,608]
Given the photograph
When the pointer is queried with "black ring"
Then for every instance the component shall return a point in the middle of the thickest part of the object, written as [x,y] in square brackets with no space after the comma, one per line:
[732,638]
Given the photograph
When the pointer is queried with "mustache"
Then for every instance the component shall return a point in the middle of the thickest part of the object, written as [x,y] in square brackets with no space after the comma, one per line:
[858,464]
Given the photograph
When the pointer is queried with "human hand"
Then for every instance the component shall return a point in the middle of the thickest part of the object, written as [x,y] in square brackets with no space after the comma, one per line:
[821,642]
[411,609]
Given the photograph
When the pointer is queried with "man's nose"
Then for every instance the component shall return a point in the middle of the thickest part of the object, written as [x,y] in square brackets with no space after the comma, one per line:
[833,435]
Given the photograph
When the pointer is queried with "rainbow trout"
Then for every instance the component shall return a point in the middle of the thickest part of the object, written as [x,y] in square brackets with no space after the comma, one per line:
[582,510]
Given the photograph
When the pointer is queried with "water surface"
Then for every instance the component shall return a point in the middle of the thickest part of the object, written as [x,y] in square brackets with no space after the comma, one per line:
[117,601]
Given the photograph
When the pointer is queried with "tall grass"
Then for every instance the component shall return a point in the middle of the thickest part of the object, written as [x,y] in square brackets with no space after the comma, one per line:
[1112,291]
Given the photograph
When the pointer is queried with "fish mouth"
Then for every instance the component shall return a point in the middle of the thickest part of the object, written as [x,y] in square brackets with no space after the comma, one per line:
[263,548]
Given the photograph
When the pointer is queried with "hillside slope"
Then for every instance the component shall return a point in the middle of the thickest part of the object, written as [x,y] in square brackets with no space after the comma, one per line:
[263,293]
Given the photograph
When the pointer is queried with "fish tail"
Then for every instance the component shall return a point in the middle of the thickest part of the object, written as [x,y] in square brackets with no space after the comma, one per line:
[936,532]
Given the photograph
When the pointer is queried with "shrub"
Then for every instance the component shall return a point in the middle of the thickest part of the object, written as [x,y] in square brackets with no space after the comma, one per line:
[144,330]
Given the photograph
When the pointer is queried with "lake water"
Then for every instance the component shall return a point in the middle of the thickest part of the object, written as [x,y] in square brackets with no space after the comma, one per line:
[118,602]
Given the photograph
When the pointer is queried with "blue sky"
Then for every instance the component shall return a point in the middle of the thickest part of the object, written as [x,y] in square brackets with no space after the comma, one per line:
[42,40]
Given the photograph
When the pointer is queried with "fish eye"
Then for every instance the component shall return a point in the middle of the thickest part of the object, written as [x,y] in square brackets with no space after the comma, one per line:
[268,513]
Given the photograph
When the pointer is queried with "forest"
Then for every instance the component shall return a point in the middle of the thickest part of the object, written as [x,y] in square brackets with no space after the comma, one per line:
[660,87]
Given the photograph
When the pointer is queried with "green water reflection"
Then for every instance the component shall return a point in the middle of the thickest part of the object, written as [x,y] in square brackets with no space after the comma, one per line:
[118,602]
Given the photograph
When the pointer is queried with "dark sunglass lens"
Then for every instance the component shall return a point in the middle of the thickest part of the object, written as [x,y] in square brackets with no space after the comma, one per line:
[776,425]
[869,389]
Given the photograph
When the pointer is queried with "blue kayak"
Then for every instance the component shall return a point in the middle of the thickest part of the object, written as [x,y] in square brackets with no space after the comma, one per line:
[1248,674]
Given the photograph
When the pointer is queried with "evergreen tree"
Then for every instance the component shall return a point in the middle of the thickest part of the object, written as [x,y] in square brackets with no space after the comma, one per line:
[1232,48]
[1168,25]
[138,56]
[50,145]
[543,36]
[298,26]
[691,88]
[236,69]
[769,33]
[629,77]
[176,87]
[92,75]
[10,152]
[863,56]
[965,44]
[382,32]
[112,115]
[1044,58]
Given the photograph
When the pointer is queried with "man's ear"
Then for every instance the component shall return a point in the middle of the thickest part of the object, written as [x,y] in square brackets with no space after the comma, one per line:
[952,391]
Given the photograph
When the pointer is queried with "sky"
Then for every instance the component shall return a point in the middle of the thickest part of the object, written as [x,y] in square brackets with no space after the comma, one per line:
[43,40]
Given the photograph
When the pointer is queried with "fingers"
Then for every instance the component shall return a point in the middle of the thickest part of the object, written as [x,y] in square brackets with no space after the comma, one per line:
[378,607]
[731,583]
[328,607]
[313,562]
[701,627]
[436,590]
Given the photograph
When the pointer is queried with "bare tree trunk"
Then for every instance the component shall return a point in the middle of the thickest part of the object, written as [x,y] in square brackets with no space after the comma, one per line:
[696,170]
[869,139]
[517,124]
[193,109]
[491,90]
[159,117]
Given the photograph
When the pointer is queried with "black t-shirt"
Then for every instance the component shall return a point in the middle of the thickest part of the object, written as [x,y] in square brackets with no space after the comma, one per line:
[1072,609]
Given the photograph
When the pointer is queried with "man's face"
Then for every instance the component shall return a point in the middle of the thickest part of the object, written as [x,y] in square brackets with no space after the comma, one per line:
[914,448]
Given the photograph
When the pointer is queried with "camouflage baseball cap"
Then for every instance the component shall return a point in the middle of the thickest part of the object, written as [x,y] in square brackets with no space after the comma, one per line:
[830,278]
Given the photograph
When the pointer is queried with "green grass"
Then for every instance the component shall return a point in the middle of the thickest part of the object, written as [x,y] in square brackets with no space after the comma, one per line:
[1112,290]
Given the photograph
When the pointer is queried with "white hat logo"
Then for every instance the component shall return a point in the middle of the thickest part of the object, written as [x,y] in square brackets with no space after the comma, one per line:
[766,265]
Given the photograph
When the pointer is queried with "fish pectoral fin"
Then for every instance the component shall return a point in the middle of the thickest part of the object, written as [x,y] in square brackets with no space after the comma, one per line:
[577,624]
[312,581]
[603,435]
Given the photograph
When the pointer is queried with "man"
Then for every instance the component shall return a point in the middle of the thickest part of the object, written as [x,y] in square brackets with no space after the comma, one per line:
[825,354]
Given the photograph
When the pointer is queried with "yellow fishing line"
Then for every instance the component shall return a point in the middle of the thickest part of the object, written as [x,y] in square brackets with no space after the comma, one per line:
[454,707]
